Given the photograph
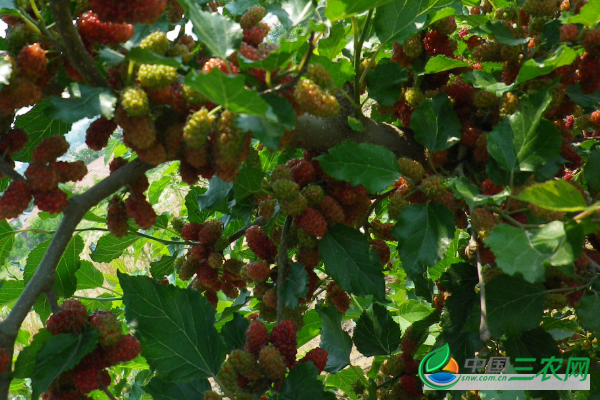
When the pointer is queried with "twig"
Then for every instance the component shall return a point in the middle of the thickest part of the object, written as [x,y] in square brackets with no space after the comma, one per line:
[44,276]
[51,296]
[594,208]
[282,262]
[378,199]
[484,330]
[8,170]
[305,61]
[260,221]
[107,392]
[74,48]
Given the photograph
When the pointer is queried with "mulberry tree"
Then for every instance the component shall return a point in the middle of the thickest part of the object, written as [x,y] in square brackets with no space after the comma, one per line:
[289,182]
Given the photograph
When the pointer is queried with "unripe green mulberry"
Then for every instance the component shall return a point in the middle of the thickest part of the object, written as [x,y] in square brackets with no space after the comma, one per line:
[284,189]
[197,128]
[318,74]
[411,169]
[272,362]
[252,17]
[414,97]
[281,172]
[314,195]
[191,95]
[156,42]
[180,50]
[555,301]
[311,98]
[293,206]
[433,186]
[483,99]
[134,101]
[413,46]
[245,364]
[396,205]
[154,76]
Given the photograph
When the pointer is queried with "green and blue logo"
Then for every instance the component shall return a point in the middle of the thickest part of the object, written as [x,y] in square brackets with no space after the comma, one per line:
[441,368]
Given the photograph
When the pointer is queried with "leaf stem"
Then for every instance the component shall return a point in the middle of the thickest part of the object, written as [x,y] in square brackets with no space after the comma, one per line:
[98,298]
[357,303]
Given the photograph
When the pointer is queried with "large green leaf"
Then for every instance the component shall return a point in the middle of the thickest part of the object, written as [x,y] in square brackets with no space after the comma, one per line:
[161,390]
[342,9]
[436,124]
[230,92]
[525,141]
[385,82]
[554,195]
[65,283]
[334,339]
[144,56]
[60,353]
[513,305]
[11,290]
[527,251]
[234,332]
[175,327]
[219,34]
[536,343]
[7,239]
[588,15]
[588,311]
[297,11]
[84,102]
[376,333]
[88,276]
[301,384]
[38,127]
[311,328]
[157,188]
[592,170]
[424,232]
[351,262]
[110,247]
[400,19]
[163,267]
[25,365]
[247,182]
[533,68]
[374,167]
[500,33]
[218,191]
[410,312]
[193,208]
[295,286]
[442,63]
[278,58]
[331,46]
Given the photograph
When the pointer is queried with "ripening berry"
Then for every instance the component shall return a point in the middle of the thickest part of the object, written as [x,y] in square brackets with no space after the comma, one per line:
[53,202]
[314,195]
[156,42]
[266,209]
[141,211]
[283,337]
[257,336]
[252,17]
[309,256]
[126,349]
[258,271]
[116,218]
[41,177]
[433,186]
[13,141]
[436,43]
[245,364]
[317,356]
[197,128]
[382,249]
[272,363]
[209,232]
[93,30]
[411,169]
[15,200]
[445,26]
[320,75]
[483,221]
[540,8]
[488,52]
[411,385]
[338,297]
[331,209]
[284,189]
[281,172]
[314,100]
[224,66]
[413,46]
[568,33]
[555,301]
[139,132]
[87,379]
[312,222]
[414,97]
[70,318]
[108,326]
[254,35]
[132,11]
[156,76]
[134,101]
[32,61]
[483,99]
[50,149]
[69,171]
[98,133]
[303,172]
[261,244]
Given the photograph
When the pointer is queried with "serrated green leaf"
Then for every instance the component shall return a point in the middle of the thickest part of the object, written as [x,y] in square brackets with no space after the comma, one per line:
[384,83]
[60,353]
[65,283]
[297,10]
[533,68]
[582,99]
[588,310]
[514,306]
[557,195]
[295,286]
[11,290]
[528,251]
[334,339]
[442,63]
[588,15]
[344,381]
[5,71]
[145,56]
[410,312]
[278,58]
[331,46]
[193,209]
[175,327]
[219,34]
[400,19]
[216,193]
[525,141]
[38,127]
[376,333]
[591,171]
[110,247]
[25,365]
[301,384]
[230,92]
[234,332]
[161,390]
[374,167]
[7,239]
[499,32]
[464,189]
[349,260]
[157,188]
[436,124]
[311,328]
[84,102]
[536,343]
[268,131]
[163,267]
[424,232]
[482,79]
[88,276]
[342,9]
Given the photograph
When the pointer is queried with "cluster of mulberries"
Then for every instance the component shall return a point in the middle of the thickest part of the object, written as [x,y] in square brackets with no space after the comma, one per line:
[265,359]
[91,372]
[205,261]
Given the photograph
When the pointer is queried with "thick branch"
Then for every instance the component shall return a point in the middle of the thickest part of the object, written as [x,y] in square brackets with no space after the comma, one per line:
[43,279]
[320,134]
[9,171]
[76,52]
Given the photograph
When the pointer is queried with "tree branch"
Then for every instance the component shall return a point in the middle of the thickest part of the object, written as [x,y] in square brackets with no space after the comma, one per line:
[74,48]
[9,171]
[282,261]
[44,276]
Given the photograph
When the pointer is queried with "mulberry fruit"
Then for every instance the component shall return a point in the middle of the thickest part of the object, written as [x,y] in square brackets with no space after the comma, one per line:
[116,219]
[98,133]
[141,211]
[261,244]
[257,337]
[70,318]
